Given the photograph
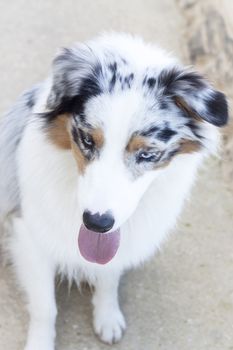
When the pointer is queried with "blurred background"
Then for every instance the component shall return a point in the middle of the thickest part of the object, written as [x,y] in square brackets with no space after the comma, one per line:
[182,299]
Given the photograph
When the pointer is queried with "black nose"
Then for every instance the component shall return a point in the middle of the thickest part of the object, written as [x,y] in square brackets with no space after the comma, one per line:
[97,222]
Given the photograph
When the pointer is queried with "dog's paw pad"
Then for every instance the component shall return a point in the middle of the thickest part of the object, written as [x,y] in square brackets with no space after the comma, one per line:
[109,327]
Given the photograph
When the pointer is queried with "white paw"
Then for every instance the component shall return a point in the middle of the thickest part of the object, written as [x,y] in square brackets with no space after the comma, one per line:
[39,344]
[38,347]
[109,325]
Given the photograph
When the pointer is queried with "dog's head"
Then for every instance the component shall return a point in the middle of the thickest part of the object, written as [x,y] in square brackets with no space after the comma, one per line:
[127,110]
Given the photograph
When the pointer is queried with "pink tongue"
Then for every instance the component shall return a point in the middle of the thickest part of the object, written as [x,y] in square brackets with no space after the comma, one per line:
[98,247]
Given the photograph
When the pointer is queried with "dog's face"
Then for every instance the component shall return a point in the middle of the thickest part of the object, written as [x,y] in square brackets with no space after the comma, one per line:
[126,122]
[117,157]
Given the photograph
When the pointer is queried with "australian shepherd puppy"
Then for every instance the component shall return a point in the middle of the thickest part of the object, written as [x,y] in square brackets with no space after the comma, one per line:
[96,162]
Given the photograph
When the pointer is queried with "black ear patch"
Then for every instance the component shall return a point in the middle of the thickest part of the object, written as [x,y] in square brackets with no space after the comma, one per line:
[217,108]
[75,80]
[200,99]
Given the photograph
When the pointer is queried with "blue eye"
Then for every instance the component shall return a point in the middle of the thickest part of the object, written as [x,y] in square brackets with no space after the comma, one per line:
[148,156]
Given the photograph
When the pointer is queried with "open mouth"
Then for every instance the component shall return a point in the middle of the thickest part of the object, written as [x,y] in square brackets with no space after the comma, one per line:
[97,247]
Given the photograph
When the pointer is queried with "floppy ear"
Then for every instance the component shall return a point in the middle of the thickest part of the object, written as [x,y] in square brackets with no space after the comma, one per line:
[194,95]
[70,68]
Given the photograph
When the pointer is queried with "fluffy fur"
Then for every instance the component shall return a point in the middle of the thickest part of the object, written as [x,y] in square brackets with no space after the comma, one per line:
[155,122]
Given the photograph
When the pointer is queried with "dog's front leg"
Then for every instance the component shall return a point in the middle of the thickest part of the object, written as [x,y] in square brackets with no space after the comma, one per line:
[36,276]
[108,320]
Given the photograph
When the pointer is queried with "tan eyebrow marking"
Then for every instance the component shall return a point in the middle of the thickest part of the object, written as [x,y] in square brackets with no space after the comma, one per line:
[136,142]
[98,137]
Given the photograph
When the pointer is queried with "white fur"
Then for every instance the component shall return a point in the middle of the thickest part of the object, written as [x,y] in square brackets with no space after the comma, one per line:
[48,229]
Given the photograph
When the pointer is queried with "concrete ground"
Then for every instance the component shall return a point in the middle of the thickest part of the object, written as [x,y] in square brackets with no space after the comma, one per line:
[183,298]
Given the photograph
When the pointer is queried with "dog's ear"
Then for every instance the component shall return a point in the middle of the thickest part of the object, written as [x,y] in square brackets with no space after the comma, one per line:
[70,68]
[194,95]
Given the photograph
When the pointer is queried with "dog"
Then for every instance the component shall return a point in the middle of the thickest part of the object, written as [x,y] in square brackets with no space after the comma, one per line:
[96,164]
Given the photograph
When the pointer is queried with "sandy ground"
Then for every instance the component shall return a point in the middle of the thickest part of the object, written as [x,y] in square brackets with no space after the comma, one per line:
[183,298]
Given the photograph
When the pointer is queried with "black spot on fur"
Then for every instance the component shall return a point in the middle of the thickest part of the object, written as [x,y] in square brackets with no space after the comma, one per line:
[144,81]
[194,127]
[112,83]
[150,131]
[151,83]
[113,69]
[128,81]
[217,109]
[166,134]
[163,105]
